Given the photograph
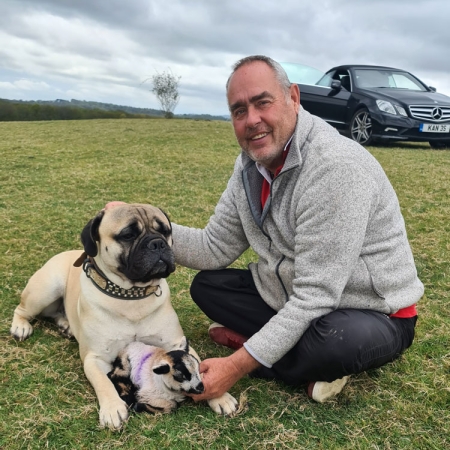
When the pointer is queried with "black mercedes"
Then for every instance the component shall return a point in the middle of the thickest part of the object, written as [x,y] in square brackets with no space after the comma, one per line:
[374,103]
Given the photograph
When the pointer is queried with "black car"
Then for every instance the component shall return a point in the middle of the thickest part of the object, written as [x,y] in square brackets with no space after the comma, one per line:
[375,103]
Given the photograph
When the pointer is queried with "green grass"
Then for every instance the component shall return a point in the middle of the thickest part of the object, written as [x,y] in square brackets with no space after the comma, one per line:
[55,176]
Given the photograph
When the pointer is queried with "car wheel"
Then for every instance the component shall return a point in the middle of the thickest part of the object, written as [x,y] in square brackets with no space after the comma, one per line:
[361,127]
[439,145]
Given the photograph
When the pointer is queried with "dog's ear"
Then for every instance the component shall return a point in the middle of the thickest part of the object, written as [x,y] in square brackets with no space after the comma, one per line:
[161,369]
[90,235]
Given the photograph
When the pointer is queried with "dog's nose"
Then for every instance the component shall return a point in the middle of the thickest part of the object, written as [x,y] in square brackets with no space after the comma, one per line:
[156,244]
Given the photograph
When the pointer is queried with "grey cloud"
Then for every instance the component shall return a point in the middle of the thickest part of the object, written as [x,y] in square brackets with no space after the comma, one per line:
[125,42]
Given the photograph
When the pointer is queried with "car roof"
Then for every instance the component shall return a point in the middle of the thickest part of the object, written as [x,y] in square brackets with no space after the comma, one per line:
[362,66]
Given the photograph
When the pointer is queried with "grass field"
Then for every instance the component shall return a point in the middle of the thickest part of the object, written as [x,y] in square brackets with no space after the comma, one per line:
[55,176]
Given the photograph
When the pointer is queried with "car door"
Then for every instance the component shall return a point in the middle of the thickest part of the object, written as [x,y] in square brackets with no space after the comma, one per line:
[326,102]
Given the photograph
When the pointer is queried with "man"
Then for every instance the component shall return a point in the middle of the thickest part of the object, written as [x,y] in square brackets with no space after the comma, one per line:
[334,289]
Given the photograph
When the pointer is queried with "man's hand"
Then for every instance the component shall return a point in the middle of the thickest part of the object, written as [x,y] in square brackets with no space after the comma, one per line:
[113,204]
[220,374]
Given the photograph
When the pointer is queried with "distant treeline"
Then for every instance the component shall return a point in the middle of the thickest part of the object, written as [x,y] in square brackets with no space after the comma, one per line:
[11,110]
[19,111]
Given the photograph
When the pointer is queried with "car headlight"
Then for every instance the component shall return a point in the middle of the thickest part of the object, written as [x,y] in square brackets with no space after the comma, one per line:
[389,108]
[401,110]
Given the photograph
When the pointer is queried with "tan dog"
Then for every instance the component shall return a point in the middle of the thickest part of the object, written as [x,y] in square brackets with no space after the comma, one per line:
[153,380]
[119,296]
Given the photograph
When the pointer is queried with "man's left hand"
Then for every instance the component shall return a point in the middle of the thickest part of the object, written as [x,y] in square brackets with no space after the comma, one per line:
[220,374]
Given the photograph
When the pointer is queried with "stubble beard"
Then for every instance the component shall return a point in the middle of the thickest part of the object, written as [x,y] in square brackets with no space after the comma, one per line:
[269,155]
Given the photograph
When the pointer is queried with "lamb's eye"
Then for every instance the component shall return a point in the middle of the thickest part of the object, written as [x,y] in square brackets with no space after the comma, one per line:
[178,377]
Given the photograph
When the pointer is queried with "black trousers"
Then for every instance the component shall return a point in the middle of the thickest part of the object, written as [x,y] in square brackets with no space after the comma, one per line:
[369,339]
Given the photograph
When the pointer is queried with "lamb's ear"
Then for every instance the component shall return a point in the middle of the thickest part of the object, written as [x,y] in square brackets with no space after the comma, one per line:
[90,236]
[183,345]
[161,369]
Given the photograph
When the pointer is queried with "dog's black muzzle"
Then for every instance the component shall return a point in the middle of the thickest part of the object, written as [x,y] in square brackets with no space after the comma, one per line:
[150,259]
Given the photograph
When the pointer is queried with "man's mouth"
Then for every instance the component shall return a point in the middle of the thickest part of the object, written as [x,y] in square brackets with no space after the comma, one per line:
[258,136]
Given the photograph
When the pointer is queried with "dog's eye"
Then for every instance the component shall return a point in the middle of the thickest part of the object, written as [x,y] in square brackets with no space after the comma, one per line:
[127,237]
[163,228]
[128,234]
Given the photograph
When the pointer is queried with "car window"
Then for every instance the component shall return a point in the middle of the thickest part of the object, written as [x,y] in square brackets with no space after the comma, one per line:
[335,75]
[326,80]
[299,73]
[384,78]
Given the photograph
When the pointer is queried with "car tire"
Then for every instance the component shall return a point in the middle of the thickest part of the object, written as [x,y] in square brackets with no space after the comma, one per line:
[439,145]
[361,127]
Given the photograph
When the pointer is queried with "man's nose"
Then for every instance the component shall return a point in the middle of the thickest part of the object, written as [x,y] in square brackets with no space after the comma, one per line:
[253,117]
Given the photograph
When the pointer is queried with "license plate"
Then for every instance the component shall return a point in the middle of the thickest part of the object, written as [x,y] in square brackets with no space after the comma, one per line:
[434,128]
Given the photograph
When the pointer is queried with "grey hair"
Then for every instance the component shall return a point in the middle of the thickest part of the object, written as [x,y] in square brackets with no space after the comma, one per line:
[278,70]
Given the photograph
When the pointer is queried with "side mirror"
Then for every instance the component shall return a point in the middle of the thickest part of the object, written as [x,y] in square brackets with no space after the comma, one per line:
[336,85]
[432,89]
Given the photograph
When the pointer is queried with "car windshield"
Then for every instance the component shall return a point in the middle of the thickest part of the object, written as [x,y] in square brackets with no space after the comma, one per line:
[385,78]
[299,73]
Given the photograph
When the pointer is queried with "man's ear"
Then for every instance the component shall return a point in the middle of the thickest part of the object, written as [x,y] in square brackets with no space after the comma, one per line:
[161,369]
[90,236]
[295,96]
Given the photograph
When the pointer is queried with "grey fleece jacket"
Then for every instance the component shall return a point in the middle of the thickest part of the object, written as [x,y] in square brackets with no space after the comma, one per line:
[331,235]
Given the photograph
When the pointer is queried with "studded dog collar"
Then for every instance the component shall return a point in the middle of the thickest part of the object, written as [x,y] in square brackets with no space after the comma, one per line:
[102,283]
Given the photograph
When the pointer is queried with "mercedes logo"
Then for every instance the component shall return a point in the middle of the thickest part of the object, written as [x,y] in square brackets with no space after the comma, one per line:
[436,114]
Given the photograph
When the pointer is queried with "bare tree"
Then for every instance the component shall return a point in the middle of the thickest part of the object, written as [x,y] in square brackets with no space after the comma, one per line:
[165,87]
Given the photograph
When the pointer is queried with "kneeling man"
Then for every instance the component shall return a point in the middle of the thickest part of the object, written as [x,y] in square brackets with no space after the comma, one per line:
[334,289]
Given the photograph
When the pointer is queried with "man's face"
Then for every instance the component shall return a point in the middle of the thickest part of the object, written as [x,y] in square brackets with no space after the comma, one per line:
[263,116]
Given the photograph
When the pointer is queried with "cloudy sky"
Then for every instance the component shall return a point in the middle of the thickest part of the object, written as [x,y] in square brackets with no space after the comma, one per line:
[105,50]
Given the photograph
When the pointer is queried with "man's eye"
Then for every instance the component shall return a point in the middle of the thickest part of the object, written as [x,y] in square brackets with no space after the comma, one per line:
[239,112]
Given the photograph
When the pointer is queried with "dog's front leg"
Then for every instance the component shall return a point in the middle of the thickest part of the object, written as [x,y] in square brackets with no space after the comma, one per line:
[113,410]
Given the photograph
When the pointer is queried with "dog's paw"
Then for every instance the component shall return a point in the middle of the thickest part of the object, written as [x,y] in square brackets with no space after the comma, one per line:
[63,326]
[226,405]
[21,329]
[113,414]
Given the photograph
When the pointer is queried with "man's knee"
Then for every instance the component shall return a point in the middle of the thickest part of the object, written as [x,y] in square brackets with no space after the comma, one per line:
[233,281]
[212,284]
[199,286]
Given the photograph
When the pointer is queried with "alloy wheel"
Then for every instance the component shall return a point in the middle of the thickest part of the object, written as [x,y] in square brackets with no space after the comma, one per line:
[361,127]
